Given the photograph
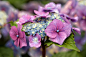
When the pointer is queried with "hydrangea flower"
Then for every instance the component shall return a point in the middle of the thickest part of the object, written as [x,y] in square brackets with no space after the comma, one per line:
[58,31]
[51,7]
[82,17]
[26,18]
[35,41]
[18,36]
[3,17]
[69,7]
[41,14]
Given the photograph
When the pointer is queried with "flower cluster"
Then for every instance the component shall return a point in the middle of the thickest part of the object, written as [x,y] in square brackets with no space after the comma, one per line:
[3,17]
[48,21]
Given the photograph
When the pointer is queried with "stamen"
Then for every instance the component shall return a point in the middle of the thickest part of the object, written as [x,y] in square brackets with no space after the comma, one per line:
[35,39]
[57,30]
[17,35]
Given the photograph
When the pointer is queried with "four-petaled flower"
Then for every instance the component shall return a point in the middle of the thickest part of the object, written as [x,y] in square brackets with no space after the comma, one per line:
[26,18]
[58,31]
[18,36]
[35,41]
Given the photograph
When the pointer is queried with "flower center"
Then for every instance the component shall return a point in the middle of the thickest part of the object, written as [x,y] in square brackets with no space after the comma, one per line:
[35,39]
[17,35]
[57,30]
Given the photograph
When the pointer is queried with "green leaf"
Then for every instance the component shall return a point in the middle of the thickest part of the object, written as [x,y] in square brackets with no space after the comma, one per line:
[83,52]
[6,52]
[68,54]
[68,43]
[14,23]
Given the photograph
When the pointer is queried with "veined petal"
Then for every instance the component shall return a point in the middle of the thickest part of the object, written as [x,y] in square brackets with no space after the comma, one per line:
[61,36]
[51,31]
[13,32]
[16,42]
[30,38]
[57,23]
[67,28]
[22,42]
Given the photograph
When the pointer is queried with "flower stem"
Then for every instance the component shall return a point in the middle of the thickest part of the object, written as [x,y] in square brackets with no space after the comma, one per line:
[43,49]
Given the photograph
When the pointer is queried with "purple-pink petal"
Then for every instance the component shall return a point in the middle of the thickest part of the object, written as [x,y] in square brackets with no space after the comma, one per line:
[50,5]
[22,42]
[83,25]
[13,32]
[37,45]
[40,8]
[26,18]
[57,23]
[67,28]
[41,13]
[50,30]
[77,30]
[58,6]
[61,36]
[16,42]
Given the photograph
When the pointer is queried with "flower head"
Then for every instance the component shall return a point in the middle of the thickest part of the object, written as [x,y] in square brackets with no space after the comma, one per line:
[18,36]
[58,31]
[35,41]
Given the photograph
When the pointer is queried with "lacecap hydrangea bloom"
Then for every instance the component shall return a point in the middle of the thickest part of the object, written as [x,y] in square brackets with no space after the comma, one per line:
[47,24]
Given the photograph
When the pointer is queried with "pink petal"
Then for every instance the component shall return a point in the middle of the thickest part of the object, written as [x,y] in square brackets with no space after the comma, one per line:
[51,5]
[21,34]
[58,6]
[55,10]
[46,14]
[24,19]
[83,25]
[51,31]
[13,32]
[77,30]
[61,36]
[32,17]
[19,27]
[30,38]
[57,23]
[37,12]
[41,13]
[66,28]
[16,42]
[39,37]
[23,42]
[37,45]
[40,8]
